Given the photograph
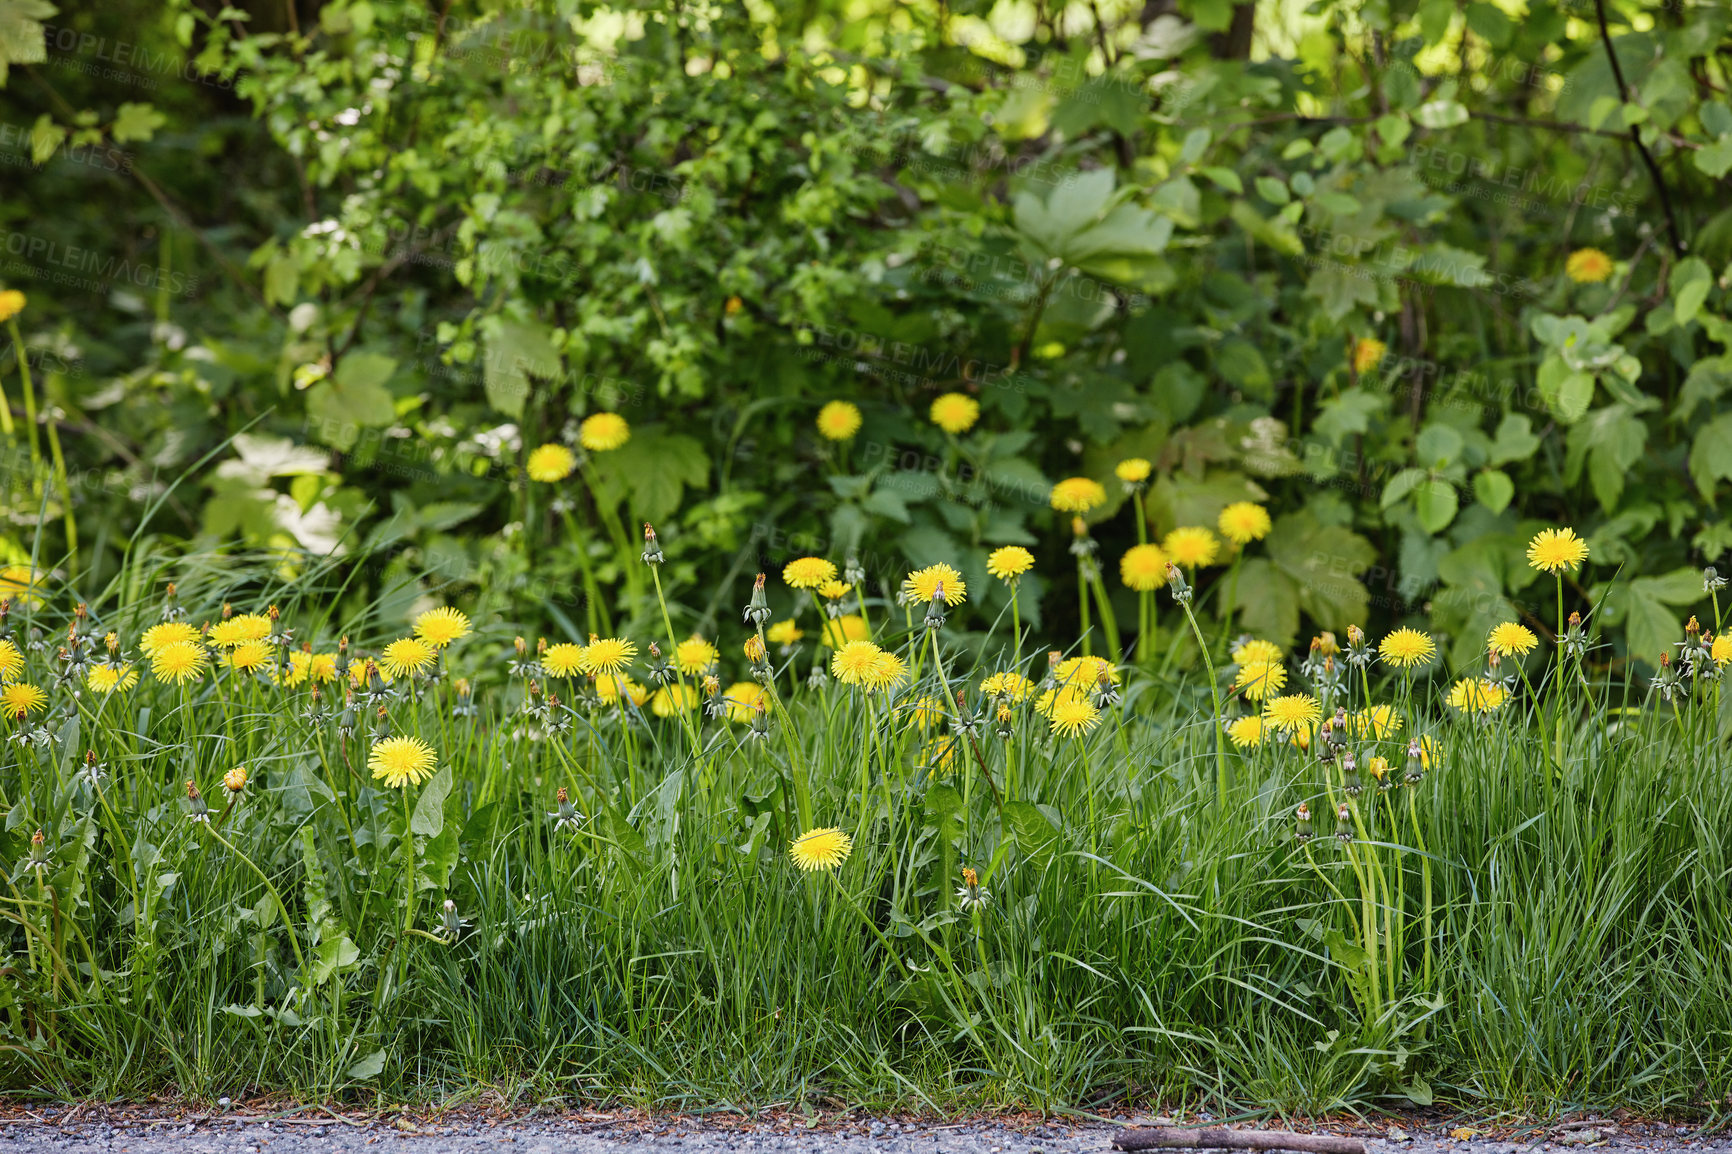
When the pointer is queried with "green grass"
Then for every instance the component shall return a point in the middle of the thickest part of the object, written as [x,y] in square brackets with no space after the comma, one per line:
[1148,939]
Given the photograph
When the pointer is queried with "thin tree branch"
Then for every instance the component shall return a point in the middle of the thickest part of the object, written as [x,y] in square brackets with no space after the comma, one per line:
[1635,133]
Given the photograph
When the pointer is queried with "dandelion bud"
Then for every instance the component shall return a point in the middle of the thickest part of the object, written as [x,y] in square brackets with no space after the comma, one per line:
[272,613]
[1302,823]
[852,572]
[1343,823]
[197,810]
[1176,582]
[757,612]
[652,550]
[541,646]
[1712,582]
[1350,775]
[235,779]
[228,610]
[1415,762]
[1355,635]
[655,651]
[521,647]
[935,608]
[1326,644]
[1006,727]
[38,850]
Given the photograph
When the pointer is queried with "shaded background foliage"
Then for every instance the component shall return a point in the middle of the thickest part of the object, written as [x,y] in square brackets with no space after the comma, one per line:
[337,267]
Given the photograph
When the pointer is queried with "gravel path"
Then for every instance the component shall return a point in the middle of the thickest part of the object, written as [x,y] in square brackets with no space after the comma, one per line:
[52,1130]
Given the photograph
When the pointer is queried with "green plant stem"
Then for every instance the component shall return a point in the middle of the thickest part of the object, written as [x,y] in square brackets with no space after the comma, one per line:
[1215,697]
[29,407]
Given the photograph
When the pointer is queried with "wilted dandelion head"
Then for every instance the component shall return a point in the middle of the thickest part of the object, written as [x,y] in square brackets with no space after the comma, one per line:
[955,412]
[550,463]
[1191,547]
[1132,470]
[241,628]
[1243,522]
[1246,732]
[1078,495]
[407,655]
[1073,714]
[607,655]
[1008,562]
[839,631]
[440,627]
[1143,568]
[1407,648]
[808,572]
[400,761]
[178,662]
[922,585]
[603,432]
[1259,679]
[20,698]
[1553,550]
[1510,639]
[839,420]
[1292,712]
[235,779]
[821,849]
[753,648]
[1588,266]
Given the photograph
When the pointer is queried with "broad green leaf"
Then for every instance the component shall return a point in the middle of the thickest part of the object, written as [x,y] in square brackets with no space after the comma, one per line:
[1494,489]
[22,37]
[1435,501]
[1711,455]
[517,354]
[1035,833]
[136,122]
[428,818]
[369,1067]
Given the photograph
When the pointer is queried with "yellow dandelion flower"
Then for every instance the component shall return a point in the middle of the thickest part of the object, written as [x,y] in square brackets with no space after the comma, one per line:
[1368,353]
[1259,679]
[1588,266]
[613,688]
[11,659]
[1246,732]
[839,420]
[694,655]
[1721,650]
[1552,550]
[607,655]
[1257,650]
[300,669]
[821,849]
[603,432]
[1291,712]
[21,698]
[744,698]
[1191,547]
[839,631]
[1243,522]
[834,590]
[407,655]
[1008,562]
[1143,567]
[1510,640]
[938,754]
[1379,721]
[167,633]
[886,671]
[926,712]
[1078,495]
[1011,686]
[11,304]
[852,663]
[955,412]
[323,667]
[753,649]
[1133,470]
[550,463]
[18,583]
[251,656]
[1073,715]
[240,629]
[1474,695]
[1084,673]
[400,761]
[563,660]
[922,585]
[107,678]
[178,662]
[440,627]
[784,632]
[1407,648]
[673,700]
[808,572]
